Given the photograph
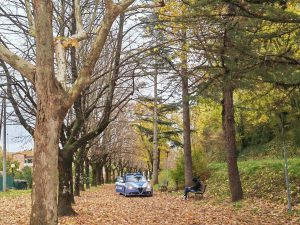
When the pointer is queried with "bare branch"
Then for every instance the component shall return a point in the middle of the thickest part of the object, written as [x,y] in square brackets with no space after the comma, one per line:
[93,16]
[27,69]
[30,18]
[108,4]
[122,6]
[147,6]
[80,32]
[13,101]
[60,53]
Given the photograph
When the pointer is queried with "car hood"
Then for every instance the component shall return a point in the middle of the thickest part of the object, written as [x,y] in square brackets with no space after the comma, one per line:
[138,184]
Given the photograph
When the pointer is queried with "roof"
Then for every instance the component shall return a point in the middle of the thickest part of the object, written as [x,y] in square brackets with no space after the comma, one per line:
[26,153]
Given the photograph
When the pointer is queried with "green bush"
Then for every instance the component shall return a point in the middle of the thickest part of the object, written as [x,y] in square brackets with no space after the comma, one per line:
[25,174]
[165,175]
[199,166]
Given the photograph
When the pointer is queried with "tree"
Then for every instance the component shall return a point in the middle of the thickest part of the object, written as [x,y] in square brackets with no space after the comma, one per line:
[238,54]
[53,99]
[167,130]
[177,33]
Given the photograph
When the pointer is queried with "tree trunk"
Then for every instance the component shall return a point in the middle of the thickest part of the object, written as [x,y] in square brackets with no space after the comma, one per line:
[100,178]
[186,117]
[77,178]
[45,172]
[122,171]
[87,173]
[50,115]
[101,175]
[230,143]
[72,187]
[94,175]
[65,196]
[242,132]
[108,174]
[159,155]
[155,134]
[114,171]
[82,177]
[186,132]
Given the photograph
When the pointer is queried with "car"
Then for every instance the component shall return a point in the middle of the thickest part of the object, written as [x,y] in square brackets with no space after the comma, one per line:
[133,184]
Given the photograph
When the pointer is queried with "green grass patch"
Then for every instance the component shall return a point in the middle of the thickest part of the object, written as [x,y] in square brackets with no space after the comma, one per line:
[15,193]
[238,204]
[272,149]
[260,178]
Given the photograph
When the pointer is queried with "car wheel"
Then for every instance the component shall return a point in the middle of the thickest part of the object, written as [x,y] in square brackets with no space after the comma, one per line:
[125,192]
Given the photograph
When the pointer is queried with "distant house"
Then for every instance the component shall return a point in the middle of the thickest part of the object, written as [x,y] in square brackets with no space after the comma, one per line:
[25,158]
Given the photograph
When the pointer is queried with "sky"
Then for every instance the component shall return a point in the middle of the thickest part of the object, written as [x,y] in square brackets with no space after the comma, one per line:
[17,139]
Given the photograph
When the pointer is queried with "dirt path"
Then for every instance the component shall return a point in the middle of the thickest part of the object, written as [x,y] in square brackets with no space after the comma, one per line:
[102,206]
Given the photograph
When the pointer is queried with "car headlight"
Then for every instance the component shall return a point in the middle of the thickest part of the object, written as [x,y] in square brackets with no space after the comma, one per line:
[130,187]
[149,188]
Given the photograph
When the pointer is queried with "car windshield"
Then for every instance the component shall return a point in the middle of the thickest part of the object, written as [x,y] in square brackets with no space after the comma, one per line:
[136,179]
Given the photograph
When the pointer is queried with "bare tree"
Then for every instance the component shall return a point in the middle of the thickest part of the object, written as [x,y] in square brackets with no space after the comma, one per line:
[53,98]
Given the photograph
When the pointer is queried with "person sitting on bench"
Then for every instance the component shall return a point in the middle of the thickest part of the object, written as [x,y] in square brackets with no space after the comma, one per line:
[196,187]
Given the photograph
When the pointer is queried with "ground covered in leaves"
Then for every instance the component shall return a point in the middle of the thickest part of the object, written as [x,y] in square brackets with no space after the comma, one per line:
[103,206]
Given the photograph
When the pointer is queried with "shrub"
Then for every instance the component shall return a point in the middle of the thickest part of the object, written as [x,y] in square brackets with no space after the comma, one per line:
[199,166]
[25,174]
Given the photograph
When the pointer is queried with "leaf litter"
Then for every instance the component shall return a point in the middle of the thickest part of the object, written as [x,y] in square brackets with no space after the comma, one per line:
[102,206]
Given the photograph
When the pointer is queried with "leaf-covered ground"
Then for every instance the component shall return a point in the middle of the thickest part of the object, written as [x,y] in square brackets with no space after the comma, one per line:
[103,206]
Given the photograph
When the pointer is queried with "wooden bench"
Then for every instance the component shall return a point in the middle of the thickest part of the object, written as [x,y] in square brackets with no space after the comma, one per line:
[199,193]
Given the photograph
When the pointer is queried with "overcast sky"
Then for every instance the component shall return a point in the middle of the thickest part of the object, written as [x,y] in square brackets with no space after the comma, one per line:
[17,139]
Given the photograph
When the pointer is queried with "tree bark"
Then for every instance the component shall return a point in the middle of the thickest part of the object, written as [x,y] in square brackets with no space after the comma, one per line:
[242,132]
[108,173]
[77,178]
[50,115]
[72,188]
[230,143]
[114,172]
[101,176]
[186,132]
[186,117]
[45,172]
[155,134]
[94,175]
[82,177]
[87,173]
[65,196]
[100,179]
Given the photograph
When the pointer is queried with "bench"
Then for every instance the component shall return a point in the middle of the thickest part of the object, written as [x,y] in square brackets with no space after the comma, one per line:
[164,186]
[199,193]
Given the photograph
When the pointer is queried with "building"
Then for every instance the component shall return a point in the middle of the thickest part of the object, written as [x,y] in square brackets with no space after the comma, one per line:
[25,158]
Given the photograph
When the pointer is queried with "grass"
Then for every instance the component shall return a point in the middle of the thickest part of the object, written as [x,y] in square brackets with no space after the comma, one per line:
[260,178]
[272,149]
[238,204]
[15,193]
